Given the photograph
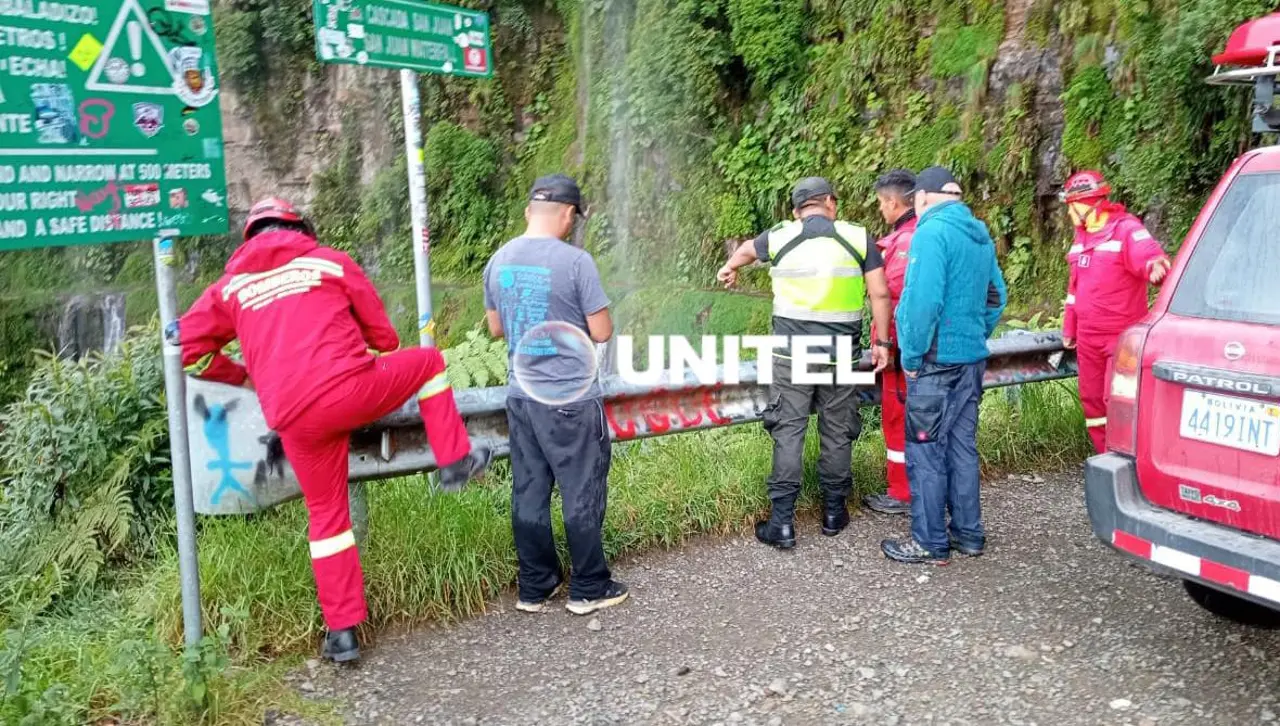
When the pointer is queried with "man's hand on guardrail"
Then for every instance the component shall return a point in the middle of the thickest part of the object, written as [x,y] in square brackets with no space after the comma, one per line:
[1069,343]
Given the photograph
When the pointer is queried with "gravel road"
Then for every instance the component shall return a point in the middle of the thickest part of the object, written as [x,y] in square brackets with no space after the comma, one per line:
[1048,628]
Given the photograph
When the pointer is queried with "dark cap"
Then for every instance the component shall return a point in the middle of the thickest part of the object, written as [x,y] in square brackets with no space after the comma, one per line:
[557,188]
[810,188]
[933,179]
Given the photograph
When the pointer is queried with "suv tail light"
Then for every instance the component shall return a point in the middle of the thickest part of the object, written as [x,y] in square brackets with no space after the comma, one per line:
[1126,374]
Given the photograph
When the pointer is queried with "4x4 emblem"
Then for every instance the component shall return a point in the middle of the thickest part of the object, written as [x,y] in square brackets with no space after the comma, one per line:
[1233,351]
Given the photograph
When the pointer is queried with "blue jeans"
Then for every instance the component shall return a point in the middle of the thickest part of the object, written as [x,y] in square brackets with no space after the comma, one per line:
[942,455]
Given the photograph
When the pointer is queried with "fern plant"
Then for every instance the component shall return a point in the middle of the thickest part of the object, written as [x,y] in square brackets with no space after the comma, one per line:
[84,463]
[477,362]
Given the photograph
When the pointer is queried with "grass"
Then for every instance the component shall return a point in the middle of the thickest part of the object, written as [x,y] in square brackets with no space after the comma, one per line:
[431,557]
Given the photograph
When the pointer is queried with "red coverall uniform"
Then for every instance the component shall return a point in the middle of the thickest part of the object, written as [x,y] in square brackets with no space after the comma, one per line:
[1107,293]
[311,327]
[893,386]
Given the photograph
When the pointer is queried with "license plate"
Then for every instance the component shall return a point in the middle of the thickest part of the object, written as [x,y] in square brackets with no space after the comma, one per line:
[1229,421]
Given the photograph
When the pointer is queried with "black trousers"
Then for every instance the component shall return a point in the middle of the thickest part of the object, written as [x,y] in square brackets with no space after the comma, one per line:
[567,445]
[787,419]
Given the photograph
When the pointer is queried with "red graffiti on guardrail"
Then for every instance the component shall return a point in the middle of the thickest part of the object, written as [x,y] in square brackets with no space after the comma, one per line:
[663,412]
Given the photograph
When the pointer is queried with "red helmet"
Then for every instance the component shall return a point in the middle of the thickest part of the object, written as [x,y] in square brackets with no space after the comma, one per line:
[274,209]
[1083,186]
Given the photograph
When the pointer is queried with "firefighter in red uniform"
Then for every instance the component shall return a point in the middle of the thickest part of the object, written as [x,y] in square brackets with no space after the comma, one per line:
[314,332]
[1112,260]
[893,191]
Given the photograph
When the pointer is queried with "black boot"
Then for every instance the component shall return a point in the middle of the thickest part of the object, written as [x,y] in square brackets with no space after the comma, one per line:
[778,530]
[782,536]
[456,475]
[835,517]
[341,646]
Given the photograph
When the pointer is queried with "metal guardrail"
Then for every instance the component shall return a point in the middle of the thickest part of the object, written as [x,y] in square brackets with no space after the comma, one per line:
[238,466]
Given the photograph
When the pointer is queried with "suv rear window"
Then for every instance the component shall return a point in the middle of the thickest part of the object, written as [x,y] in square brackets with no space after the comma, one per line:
[1235,268]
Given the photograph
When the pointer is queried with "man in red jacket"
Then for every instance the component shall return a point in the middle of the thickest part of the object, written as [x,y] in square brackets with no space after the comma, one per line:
[1112,260]
[313,332]
[893,191]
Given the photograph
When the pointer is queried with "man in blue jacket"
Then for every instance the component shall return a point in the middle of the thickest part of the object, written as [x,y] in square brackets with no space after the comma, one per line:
[953,298]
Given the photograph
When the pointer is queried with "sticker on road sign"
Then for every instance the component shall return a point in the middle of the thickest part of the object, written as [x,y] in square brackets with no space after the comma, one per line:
[193,82]
[86,52]
[56,120]
[212,197]
[141,195]
[178,199]
[195,7]
[148,118]
[191,126]
[475,59]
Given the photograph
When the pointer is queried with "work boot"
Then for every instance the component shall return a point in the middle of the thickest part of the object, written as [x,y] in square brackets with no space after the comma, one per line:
[778,530]
[456,475]
[885,504]
[341,646]
[835,517]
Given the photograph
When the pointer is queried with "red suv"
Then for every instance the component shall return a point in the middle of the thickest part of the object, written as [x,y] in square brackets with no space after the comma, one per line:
[1191,480]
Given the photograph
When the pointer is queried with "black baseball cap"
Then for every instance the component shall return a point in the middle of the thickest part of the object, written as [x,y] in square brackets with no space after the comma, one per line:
[809,188]
[557,188]
[933,179]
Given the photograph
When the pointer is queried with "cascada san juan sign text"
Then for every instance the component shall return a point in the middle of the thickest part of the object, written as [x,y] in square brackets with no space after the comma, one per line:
[406,34]
[109,122]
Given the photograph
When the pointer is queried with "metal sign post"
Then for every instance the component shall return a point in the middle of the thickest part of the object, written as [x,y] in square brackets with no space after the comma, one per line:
[175,394]
[414,157]
[413,37]
[110,131]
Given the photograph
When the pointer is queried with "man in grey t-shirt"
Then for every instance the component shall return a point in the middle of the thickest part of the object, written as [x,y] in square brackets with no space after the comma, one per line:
[544,296]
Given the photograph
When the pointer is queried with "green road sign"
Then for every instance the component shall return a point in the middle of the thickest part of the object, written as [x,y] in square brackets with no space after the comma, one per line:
[109,122]
[419,36]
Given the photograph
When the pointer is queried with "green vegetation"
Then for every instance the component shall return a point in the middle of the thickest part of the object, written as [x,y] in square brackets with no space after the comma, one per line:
[90,627]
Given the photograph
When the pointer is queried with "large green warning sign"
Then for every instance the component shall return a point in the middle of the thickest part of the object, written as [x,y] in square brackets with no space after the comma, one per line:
[109,122]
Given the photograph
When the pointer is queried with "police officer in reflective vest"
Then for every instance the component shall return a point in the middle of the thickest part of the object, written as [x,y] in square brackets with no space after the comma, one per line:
[822,271]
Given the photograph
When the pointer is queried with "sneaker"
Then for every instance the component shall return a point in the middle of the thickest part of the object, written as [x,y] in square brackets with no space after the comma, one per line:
[537,606]
[456,475]
[910,552]
[885,504]
[614,594]
[965,550]
[341,646]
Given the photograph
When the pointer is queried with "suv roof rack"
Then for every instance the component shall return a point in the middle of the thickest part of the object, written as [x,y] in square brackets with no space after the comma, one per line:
[1250,60]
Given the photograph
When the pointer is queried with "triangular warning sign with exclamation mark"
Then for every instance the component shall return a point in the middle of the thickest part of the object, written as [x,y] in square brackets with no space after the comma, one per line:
[139,64]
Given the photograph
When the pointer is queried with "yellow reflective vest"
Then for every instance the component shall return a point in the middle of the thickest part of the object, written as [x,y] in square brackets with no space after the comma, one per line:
[818,277]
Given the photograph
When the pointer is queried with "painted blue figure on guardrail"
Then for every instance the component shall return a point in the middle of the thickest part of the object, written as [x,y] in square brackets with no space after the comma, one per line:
[218,434]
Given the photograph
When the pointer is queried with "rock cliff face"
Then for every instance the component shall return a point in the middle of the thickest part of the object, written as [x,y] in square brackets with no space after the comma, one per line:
[687,121]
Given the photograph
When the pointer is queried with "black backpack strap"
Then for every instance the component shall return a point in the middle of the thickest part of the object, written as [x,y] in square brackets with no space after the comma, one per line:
[853,252]
[805,236]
